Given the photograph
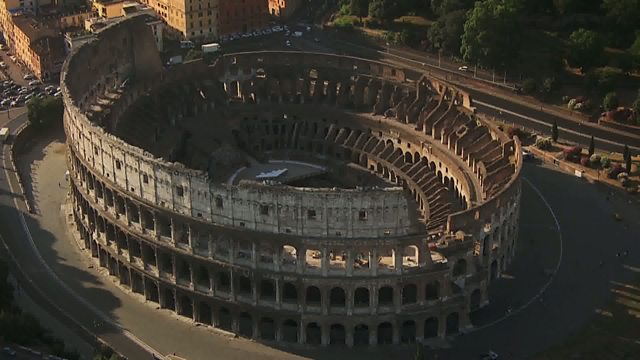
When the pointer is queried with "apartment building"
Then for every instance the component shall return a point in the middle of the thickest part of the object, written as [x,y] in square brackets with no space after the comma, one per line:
[196,20]
[38,45]
[241,16]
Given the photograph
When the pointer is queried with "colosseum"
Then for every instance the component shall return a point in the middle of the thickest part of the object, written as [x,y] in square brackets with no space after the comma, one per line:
[290,197]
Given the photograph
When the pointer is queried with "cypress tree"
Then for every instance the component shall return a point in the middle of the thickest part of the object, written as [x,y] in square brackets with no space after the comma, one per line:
[592,146]
[554,131]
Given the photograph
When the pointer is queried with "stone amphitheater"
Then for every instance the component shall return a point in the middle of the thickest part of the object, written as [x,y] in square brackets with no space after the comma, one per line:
[289,197]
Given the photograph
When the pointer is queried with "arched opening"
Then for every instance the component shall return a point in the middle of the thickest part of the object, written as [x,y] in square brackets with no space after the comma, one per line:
[431,328]
[409,294]
[460,267]
[169,300]
[314,334]
[204,313]
[289,255]
[432,291]
[337,297]
[410,256]
[494,270]
[361,297]
[361,335]
[202,278]
[225,320]
[314,297]
[385,296]
[244,286]
[290,331]
[313,259]
[385,333]
[408,332]
[474,300]
[337,335]
[245,325]
[267,329]
[408,158]
[223,282]
[267,290]
[289,293]
[186,307]
[453,323]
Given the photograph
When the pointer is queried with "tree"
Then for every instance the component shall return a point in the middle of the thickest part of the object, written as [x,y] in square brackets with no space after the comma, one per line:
[385,10]
[359,8]
[636,108]
[445,34]
[444,7]
[585,49]
[634,51]
[627,164]
[43,112]
[529,86]
[193,54]
[610,101]
[622,17]
[554,131]
[625,152]
[492,33]
[592,146]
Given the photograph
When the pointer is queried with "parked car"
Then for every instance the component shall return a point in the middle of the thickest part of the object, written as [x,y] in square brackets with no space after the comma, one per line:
[527,156]
[28,77]
[35,83]
[3,65]
[463,68]
[13,58]
[288,43]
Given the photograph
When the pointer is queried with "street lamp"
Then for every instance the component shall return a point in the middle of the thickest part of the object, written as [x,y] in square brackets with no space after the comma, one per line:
[388,47]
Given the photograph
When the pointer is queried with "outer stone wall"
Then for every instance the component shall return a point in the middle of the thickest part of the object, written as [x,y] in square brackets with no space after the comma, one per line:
[251,258]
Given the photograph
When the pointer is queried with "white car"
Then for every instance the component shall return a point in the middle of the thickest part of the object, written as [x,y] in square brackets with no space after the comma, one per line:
[463,68]
[277,29]
[288,43]
[2,64]
[35,82]
[28,77]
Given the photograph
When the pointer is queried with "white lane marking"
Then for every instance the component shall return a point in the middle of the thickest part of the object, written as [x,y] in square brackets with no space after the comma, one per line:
[32,244]
[546,124]
[551,278]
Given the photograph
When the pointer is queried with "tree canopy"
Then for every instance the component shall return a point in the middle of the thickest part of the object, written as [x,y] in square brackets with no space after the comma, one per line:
[492,33]
[585,49]
[359,8]
[45,112]
[445,34]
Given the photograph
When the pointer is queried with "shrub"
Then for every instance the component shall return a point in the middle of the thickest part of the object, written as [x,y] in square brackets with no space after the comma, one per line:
[584,161]
[605,162]
[610,101]
[614,171]
[529,86]
[594,160]
[543,143]
[573,153]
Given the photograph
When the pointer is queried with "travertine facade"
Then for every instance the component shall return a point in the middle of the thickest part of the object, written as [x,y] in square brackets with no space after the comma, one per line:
[314,265]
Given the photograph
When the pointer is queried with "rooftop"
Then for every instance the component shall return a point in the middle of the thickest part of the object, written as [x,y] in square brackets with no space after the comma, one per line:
[33,28]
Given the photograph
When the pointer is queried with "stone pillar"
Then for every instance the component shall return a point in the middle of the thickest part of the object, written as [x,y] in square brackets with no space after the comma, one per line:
[373,300]
[350,260]
[278,293]
[254,255]
[324,330]
[189,238]
[211,283]
[373,261]
[174,267]
[349,336]
[397,259]
[255,334]
[373,335]
[396,334]
[301,259]
[302,333]
[397,298]
[232,287]
[324,261]
[195,310]
[173,232]
[191,275]
[442,326]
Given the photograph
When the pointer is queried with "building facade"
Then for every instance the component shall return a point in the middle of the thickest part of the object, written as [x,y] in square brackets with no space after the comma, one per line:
[243,16]
[283,8]
[38,45]
[195,20]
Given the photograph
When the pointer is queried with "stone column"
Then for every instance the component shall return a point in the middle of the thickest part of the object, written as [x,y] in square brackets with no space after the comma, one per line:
[373,335]
[442,326]
[278,284]
[195,310]
[397,259]
[301,259]
[350,260]
[324,330]
[324,261]
[174,266]
[373,261]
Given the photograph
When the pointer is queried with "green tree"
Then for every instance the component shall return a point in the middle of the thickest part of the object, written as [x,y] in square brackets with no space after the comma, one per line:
[492,33]
[627,164]
[359,8]
[444,7]
[592,146]
[623,17]
[554,131]
[529,86]
[45,112]
[636,108]
[625,152]
[193,54]
[610,101]
[634,51]
[386,10]
[568,7]
[445,34]
[585,49]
